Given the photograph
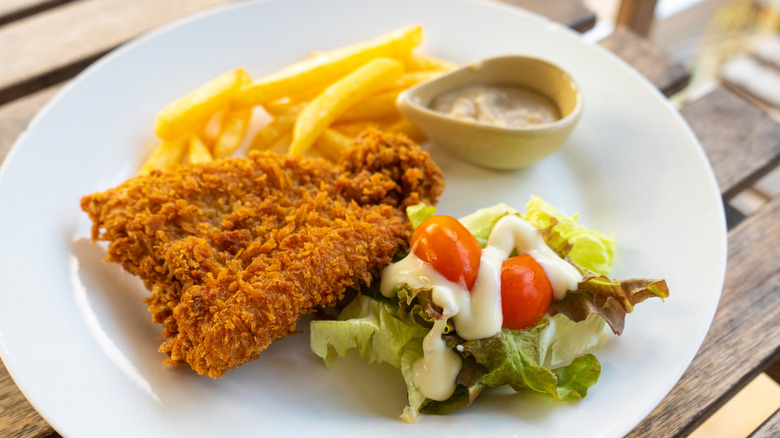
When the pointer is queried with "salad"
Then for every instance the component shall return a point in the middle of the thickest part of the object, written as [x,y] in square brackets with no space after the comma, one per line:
[497,298]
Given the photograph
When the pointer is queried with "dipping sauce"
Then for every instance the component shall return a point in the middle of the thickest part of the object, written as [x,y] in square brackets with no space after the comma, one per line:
[500,105]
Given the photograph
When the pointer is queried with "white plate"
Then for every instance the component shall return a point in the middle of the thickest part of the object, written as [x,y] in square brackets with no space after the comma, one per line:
[80,344]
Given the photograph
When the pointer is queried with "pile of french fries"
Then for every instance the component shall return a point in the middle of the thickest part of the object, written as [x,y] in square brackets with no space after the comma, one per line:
[320,103]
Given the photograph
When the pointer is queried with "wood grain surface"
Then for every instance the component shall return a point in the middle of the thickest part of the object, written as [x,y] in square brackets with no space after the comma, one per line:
[657,66]
[773,370]
[12,10]
[15,116]
[637,15]
[54,49]
[18,419]
[741,141]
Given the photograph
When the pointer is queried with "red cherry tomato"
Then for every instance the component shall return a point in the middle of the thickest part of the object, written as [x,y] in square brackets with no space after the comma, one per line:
[526,292]
[446,245]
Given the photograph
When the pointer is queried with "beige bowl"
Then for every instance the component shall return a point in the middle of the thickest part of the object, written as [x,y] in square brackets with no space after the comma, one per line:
[497,147]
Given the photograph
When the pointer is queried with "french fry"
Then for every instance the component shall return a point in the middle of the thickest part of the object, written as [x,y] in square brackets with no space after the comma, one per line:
[212,127]
[332,143]
[413,78]
[418,62]
[379,106]
[283,143]
[279,106]
[329,66]
[353,129]
[382,105]
[198,151]
[167,156]
[282,105]
[282,124]
[234,127]
[325,108]
[182,116]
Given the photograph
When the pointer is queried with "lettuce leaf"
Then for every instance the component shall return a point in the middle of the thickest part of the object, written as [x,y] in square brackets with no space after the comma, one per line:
[608,298]
[589,249]
[418,213]
[416,306]
[518,358]
[563,340]
[369,326]
[411,353]
[513,357]
[481,222]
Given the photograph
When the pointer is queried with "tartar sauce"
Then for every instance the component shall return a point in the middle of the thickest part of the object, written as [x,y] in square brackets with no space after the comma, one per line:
[476,314]
[501,105]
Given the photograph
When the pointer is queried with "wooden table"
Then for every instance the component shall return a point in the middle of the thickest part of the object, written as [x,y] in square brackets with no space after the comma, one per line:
[40,50]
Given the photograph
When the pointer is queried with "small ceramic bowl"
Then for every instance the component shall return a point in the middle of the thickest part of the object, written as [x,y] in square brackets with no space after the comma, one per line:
[492,146]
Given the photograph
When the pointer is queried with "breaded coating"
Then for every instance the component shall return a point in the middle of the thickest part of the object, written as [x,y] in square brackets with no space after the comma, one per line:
[236,251]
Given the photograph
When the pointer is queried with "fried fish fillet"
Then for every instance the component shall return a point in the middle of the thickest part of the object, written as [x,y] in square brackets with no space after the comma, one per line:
[236,251]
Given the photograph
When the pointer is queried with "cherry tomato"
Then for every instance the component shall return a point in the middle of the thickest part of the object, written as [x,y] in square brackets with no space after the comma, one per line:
[446,245]
[526,292]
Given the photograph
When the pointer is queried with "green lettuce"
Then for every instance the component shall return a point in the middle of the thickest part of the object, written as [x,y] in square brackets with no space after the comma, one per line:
[372,328]
[589,249]
[481,222]
[416,306]
[511,357]
[563,340]
[418,213]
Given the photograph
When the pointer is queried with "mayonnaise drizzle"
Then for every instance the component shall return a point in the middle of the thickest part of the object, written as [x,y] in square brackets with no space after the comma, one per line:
[512,232]
[476,314]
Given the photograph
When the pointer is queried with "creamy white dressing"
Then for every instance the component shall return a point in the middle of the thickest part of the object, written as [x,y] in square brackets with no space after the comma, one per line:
[481,317]
[436,371]
[513,233]
[476,314]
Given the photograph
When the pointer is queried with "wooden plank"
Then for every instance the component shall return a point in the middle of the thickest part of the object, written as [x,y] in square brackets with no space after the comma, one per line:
[769,428]
[637,15]
[660,68]
[12,10]
[733,216]
[741,141]
[744,335]
[60,42]
[572,13]
[17,416]
[773,370]
[8,7]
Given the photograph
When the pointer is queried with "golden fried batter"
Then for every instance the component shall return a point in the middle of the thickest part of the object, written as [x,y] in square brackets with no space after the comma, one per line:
[236,251]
